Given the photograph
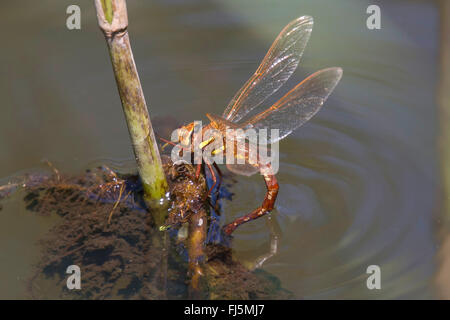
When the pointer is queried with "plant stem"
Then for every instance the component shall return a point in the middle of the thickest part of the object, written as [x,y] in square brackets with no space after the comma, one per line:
[113,21]
[107,9]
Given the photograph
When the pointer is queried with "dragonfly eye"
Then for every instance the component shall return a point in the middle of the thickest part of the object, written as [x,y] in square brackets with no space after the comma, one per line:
[184,134]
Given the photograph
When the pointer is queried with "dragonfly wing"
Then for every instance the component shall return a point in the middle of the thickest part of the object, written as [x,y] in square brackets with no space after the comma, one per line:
[298,105]
[277,66]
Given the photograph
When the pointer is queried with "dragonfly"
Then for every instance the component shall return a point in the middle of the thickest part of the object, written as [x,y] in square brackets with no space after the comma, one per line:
[293,110]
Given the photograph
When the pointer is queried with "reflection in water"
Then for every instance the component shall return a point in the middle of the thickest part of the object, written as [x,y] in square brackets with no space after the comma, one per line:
[358,185]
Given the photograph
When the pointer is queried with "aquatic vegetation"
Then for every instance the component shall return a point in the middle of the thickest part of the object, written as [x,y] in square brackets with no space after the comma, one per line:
[118,253]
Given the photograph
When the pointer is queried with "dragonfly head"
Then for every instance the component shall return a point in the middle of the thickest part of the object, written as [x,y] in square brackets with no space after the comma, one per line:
[185,133]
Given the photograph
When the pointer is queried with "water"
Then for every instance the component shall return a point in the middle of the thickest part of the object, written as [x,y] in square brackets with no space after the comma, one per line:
[359,183]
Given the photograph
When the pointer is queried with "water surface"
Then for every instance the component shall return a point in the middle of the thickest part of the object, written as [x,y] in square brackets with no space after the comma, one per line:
[358,183]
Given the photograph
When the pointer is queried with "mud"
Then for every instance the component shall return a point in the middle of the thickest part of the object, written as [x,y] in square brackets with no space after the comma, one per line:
[107,231]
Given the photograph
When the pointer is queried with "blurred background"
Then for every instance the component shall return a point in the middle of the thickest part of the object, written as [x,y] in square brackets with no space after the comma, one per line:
[360,184]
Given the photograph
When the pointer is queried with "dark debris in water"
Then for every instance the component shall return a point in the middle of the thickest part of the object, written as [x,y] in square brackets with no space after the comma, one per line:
[106,230]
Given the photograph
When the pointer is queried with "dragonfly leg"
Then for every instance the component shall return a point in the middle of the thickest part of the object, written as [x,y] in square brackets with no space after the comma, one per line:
[167,142]
[213,177]
[267,206]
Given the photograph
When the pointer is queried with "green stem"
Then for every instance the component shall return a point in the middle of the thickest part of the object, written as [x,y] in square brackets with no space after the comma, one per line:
[133,101]
[107,9]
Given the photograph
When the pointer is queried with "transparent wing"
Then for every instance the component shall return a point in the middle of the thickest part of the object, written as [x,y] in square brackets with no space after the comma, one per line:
[298,105]
[237,143]
[277,66]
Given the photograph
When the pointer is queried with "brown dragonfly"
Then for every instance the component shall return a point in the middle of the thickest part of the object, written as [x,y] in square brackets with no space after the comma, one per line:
[290,112]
